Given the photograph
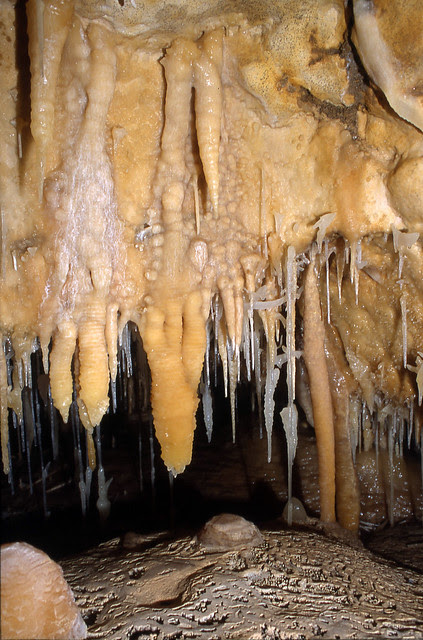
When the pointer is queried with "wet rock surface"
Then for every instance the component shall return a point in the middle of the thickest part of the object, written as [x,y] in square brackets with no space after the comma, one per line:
[296,584]
[403,544]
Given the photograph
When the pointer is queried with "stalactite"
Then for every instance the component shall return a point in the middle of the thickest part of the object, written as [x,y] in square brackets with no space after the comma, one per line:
[103,503]
[291,297]
[93,363]
[61,356]
[3,236]
[289,417]
[4,417]
[232,369]
[111,332]
[208,109]
[179,82]
[207,409]
[152,465]
[322,225]
[391,436]
[263,213]
[418,370]
[271,381]
[289,414]
[48,29]
[74,418]
[402,243]
[171,353]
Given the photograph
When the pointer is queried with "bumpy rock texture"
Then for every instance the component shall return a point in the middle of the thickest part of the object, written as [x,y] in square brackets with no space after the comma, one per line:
[297,584]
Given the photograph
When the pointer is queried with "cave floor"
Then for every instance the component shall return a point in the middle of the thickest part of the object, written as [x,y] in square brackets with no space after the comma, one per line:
[301,583]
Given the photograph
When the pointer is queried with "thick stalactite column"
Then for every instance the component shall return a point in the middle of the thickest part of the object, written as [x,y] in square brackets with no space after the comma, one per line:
[87,239]
[315,359]
[175,342]
[173,327]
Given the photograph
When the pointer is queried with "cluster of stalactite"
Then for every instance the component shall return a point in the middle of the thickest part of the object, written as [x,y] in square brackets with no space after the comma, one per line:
[156,192]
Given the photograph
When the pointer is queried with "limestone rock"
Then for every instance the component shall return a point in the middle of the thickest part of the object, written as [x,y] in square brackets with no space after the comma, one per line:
[228,531]
[36,601]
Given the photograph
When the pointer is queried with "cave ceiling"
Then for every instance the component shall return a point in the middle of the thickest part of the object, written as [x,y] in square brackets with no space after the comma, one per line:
[242,174]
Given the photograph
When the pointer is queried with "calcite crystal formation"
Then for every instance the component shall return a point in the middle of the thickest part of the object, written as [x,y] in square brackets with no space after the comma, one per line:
[222,173]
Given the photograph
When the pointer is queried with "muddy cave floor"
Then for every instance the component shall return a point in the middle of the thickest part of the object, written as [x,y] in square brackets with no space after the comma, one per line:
[142,574]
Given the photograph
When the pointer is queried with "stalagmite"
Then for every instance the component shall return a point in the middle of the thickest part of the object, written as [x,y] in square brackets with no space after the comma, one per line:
[36,601]
[315,359]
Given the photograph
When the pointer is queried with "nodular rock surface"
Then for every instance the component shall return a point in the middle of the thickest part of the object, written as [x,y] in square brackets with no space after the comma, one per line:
[302,583]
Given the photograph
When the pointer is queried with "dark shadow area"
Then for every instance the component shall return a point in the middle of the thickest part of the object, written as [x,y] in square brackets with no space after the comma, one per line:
[43,499]
[23,88]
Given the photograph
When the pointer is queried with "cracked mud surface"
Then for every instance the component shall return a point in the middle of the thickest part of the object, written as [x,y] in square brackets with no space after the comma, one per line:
[297,584]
